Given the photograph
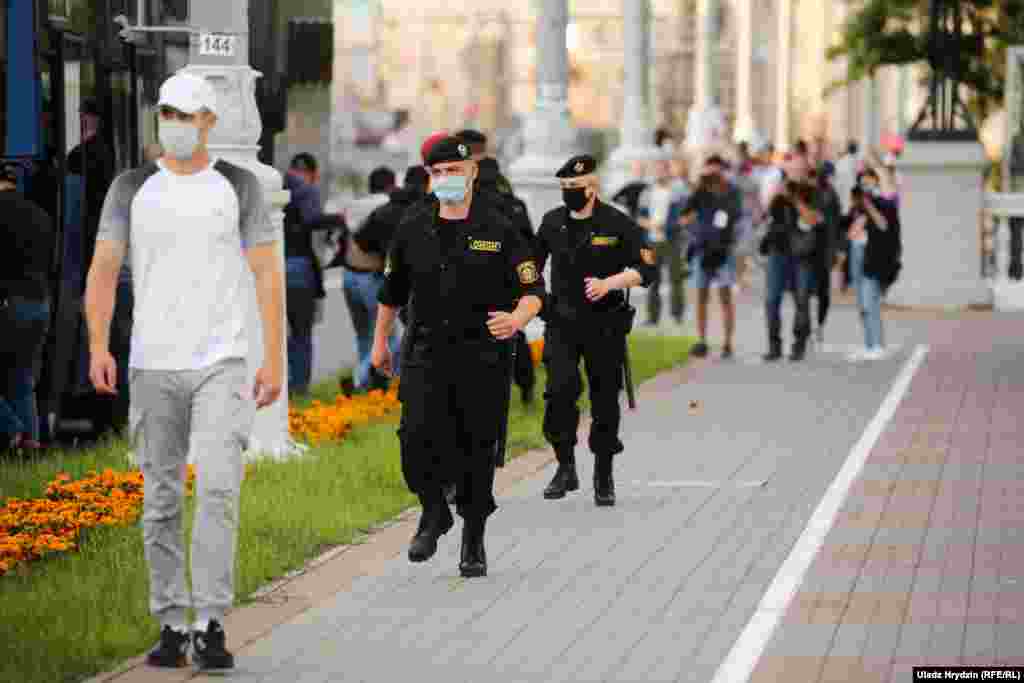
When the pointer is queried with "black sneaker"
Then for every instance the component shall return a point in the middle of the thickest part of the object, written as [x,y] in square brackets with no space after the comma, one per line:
[208,651]
[172,650]
[727,353]
[699,350]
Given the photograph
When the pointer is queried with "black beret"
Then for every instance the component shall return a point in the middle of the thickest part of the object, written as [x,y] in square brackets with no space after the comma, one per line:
[472,137]
[446,150]
[577,166]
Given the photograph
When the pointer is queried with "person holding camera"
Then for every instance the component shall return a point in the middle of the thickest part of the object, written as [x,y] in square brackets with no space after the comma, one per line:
[875,257]
[711,214]
[790,246]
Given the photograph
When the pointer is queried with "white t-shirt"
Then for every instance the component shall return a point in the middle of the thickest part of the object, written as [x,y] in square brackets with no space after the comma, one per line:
[186,236]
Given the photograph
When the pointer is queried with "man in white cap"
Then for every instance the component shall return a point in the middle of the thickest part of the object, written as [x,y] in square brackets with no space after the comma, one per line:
[191,224]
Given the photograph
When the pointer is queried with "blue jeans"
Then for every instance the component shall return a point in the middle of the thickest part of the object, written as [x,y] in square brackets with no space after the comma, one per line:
[300,282]
[869,297]
[20,357]
[785,272]
[361,291]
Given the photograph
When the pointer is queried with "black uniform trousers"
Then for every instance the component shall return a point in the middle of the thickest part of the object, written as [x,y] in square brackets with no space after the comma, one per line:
[523,371]
[453,404]
[602,349]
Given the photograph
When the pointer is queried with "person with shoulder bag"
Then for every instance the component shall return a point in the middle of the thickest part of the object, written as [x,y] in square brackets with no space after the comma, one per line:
[875,258]
[710,215]
[790,246]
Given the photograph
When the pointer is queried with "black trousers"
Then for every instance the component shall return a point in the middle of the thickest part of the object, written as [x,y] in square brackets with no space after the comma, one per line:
[453,403]
[823,291]
[602,351]
[524,372]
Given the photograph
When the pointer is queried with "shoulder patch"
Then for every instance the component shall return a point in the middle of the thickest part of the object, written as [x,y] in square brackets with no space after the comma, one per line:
[527,271]
[485,245]
[647,255]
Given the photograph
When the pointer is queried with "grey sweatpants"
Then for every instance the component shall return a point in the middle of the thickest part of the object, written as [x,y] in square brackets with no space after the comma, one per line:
[209,413]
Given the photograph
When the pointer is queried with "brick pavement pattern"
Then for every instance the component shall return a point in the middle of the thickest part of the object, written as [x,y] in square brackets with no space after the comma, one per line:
[924,565]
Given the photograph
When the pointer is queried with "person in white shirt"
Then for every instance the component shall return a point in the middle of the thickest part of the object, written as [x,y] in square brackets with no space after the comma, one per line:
[191,226]
[657,214]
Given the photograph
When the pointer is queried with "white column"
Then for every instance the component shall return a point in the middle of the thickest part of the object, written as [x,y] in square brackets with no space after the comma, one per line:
[705,125]
[548,133]
[637,131]
[746,128]
[234,139]
[785,67]
[870,112]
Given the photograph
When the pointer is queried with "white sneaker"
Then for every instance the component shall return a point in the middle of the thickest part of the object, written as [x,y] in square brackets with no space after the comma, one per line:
[878,353]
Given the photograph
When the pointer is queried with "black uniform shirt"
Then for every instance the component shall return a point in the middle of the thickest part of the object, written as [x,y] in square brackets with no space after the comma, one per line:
[488,266]
[603,245]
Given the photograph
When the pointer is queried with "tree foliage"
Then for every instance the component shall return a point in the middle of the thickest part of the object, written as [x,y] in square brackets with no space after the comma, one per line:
[882,33]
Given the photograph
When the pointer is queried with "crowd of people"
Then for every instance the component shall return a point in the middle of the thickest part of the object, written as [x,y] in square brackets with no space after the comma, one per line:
[801,216]
[453,254]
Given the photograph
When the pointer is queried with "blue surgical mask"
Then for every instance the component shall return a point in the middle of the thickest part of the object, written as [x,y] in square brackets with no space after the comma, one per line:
[451,189]
[178,139]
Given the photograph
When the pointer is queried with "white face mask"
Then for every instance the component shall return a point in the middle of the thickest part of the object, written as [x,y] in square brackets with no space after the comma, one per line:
[179,140]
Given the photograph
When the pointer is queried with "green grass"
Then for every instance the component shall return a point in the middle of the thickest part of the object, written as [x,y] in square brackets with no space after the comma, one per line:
[74,615]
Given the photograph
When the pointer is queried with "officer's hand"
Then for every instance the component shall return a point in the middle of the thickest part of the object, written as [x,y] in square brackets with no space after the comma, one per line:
[503,325]
[380,358]
[103,372]
[596,288]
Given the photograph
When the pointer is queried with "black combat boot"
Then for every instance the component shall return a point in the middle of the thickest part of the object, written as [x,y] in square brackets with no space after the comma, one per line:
[604,484]
[774,351]
[565,478]
[435,522]
[473,562]
[799,350]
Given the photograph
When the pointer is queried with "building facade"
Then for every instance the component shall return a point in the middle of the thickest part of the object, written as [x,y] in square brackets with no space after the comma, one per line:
[451,68]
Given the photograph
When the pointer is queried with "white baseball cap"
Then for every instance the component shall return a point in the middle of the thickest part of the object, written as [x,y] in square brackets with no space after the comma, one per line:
[188,93]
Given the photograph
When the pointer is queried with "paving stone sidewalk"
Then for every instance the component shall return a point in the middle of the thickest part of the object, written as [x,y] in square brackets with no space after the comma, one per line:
[724,465]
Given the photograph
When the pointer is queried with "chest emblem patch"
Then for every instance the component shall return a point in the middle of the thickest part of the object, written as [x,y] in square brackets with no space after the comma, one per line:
[485,245]
[647,255]
[604,240]
[527,272]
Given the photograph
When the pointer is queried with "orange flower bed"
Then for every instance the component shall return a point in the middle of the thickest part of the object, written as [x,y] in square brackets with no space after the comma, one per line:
[33,529]
[330,422]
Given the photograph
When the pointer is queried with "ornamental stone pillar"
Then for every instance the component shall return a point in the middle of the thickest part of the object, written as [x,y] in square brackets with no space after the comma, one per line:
[637,130]
[705,125]
[549,136]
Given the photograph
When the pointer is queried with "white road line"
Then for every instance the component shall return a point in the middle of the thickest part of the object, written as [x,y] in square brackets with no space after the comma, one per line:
[739,664]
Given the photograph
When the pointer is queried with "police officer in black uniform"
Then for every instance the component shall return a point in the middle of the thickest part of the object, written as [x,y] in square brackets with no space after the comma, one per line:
[475,283]
[596,253]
